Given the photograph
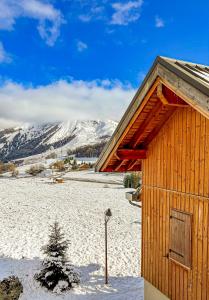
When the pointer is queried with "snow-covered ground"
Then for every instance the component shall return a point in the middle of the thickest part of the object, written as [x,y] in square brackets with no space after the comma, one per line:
[30,205]
[90,175]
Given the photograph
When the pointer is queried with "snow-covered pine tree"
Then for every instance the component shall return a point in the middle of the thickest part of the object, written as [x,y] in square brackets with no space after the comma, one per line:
[57,274]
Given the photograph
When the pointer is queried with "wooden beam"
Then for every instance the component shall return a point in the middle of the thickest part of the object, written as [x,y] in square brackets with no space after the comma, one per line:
[128,154]
[152,134]
[140,132]
[117,168]
[124,168]
[164,100]
[132,164]
[160,94]
[115,154]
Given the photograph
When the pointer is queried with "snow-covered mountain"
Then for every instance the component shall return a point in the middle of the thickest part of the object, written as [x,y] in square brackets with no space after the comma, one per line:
[34,139]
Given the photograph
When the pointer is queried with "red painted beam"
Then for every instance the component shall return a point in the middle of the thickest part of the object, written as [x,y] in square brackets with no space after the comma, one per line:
[128,154]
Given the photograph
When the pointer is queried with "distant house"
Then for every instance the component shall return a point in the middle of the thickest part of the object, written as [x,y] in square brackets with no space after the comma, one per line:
[165,133]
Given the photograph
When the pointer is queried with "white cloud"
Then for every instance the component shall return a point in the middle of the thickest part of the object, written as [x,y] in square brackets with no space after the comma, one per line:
[85,18]
[81,46]
[62,101]
[126,13]
[4,56]
[48,17]
[95,12]
[159,23]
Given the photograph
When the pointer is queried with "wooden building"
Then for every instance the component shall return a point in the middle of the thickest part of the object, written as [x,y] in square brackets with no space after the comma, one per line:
[165,134]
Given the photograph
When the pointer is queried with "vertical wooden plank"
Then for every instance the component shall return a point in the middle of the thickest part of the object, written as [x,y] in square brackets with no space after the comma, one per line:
[188,149]
[205,256]
[151,235]
[143,237]
[202,156]
[148,235]
[172,168]
[147,165]
[206,168]
[208,259]
[186,273]
[160,240]
[144,265]
[161,159]
[163,238]
[200,249]
[150,166]
[144,171]
[195,246]
[193,142]
[185,291]
[157,150]
[168,155]
[197,153]
[177,282]
[180,147]
[184,148]
[157,237]
[174,273]
[167,228]
[170,267]
[190,272]
[176,149]
[154,237]
[147,241]
[181,270]
[173,294]
[165,150]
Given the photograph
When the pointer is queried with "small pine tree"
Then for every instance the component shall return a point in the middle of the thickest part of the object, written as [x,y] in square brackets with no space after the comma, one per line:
[57,274]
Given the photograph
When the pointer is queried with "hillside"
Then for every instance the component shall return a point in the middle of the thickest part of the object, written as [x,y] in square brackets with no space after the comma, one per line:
[30,140]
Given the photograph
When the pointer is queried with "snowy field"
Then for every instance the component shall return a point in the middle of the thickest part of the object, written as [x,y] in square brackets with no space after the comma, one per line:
[30,205]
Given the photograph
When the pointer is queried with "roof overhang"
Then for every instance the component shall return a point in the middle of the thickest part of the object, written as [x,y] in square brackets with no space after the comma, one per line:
[166,77]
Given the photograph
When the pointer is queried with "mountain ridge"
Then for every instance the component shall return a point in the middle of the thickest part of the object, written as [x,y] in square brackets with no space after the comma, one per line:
[28,140]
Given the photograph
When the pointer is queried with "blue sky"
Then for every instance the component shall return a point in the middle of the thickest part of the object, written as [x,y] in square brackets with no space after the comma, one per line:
[107,45]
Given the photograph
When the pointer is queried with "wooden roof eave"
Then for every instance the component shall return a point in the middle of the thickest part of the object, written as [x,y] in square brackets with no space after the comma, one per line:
[124,122]
[163,70]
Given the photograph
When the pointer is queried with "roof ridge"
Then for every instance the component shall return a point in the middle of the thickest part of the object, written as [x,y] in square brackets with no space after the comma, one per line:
[173,60]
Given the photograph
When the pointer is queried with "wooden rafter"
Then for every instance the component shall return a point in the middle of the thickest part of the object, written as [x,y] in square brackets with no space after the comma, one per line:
[160,94]
[164,100]
[116,156]
[152,134]
[140,132]
[128,154]
[132,164]
[117,168]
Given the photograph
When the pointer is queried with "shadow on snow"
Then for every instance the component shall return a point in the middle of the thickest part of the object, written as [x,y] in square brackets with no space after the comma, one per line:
[92,286]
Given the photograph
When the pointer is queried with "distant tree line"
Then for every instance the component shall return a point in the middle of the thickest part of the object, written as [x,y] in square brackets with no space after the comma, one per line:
[88,151]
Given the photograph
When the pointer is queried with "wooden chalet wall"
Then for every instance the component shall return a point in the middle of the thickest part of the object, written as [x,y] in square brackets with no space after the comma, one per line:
[176,175]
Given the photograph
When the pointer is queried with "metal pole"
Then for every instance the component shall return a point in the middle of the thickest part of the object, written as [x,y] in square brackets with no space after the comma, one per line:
[106,271]
[108,215]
